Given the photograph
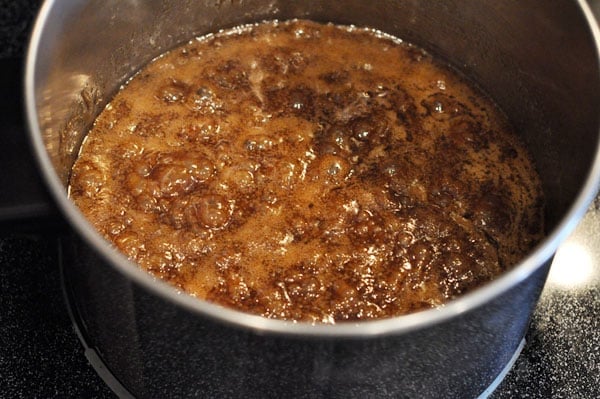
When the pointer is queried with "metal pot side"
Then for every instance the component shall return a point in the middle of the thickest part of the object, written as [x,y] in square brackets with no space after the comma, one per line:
[538,61]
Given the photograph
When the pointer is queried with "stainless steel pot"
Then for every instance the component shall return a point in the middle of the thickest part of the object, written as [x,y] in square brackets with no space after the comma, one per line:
[538,60]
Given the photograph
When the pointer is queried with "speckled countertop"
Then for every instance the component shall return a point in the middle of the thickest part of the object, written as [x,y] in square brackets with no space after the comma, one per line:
[562,356]
[41,356]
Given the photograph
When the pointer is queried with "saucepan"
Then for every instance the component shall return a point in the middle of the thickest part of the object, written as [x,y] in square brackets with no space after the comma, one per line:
[538,60]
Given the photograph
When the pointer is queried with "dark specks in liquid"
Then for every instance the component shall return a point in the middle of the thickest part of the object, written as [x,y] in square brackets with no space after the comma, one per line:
[310,172]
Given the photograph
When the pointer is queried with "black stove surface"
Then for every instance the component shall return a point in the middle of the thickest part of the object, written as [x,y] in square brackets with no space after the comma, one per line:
[40,353]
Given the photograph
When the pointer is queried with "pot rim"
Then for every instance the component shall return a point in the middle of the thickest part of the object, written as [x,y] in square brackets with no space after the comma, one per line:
[396,325]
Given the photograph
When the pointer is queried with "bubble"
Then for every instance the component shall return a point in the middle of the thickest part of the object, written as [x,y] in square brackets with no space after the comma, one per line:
[174,174]
[116,226]
[443,107]
[333,169]
[259,143]
[206,101]
[405,238]
[147,203]
[301,101]
[369,131]
[231,75]
[212,211]
[174,91]
[90,181]
[173,180]
[239,178]
[200,170]
[334,140]
[362,129]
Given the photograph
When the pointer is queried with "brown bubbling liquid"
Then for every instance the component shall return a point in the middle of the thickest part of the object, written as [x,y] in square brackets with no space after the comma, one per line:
[309,172]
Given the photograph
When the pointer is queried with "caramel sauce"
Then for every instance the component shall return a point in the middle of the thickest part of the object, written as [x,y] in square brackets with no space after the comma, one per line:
[309,172]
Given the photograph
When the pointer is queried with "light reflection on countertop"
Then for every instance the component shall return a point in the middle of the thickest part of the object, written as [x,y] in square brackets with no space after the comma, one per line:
[576,263]
[561,358]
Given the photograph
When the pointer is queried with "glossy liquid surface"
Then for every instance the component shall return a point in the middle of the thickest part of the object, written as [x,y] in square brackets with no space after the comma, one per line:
[309,172]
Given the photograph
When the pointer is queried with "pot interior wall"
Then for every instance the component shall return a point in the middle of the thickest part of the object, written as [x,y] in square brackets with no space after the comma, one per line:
[538,63]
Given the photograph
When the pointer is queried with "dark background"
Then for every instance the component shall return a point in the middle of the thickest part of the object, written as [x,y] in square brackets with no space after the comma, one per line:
[40,354]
